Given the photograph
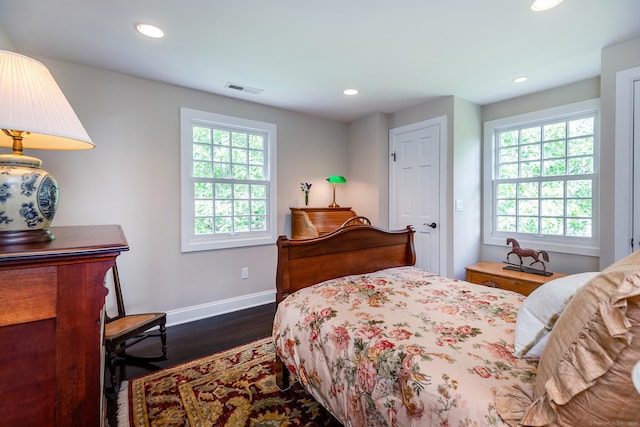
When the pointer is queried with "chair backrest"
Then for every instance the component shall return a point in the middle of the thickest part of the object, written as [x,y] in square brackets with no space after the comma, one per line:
[118,294]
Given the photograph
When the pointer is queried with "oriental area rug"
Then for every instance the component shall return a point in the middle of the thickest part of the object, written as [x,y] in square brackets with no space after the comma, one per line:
[235,388]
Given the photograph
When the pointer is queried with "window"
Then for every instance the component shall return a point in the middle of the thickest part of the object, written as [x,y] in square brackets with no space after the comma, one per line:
[541,184]
[228,181]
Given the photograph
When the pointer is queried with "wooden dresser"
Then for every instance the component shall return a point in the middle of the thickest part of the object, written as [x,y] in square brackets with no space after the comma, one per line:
[53,293]
[313,222]
[493,274]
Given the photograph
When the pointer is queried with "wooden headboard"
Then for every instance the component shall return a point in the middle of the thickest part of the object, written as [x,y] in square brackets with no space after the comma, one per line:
[353,249]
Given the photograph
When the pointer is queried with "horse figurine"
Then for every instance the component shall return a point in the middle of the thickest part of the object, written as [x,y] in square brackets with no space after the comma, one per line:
[520,252]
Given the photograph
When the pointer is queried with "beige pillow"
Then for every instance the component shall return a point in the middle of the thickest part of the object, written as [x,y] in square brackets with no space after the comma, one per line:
[584,374]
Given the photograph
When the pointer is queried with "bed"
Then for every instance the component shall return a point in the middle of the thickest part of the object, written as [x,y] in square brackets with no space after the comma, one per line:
[377,341]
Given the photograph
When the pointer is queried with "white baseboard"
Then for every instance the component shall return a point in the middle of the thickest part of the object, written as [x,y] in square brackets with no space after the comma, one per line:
[215,308]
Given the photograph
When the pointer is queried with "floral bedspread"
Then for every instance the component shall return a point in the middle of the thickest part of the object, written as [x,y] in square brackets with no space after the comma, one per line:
[402,347]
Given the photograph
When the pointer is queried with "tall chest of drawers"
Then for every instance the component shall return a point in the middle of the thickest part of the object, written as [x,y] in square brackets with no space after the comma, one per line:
[52,296]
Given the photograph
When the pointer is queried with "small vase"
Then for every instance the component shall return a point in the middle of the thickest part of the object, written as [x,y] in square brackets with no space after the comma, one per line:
[306,199]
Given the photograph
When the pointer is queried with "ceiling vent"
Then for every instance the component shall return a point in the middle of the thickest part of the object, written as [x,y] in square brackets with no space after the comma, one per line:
[242,88]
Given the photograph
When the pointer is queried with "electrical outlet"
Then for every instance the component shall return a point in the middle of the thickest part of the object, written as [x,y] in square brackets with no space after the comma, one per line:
[245,272]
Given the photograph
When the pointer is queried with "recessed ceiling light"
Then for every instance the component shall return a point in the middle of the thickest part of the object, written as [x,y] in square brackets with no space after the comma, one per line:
[540,5]
[150,30]
[520,79]
[350,92]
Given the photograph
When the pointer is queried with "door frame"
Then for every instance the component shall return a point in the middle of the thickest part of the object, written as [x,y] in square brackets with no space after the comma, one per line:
[440,121]
[624,167]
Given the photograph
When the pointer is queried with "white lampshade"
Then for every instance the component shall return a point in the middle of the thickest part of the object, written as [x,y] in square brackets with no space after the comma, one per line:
[31,101]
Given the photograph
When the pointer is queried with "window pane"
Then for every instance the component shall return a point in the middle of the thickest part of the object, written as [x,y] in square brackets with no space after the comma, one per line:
[507,207]
[201,134]
[204,208]
[506,191]
[239,155]
[581,146]
[223,224]
[241,191]
[256,173]
[508,171]
[555,131]
[221,137]
[580,188]
[581,127]
[221,154]
[529,169]
[240,171]
[528,190]
[527,225]
[203,190]
[202,170]
[552,207]
[527,207]
[239,139]
[258,191]
[259,223]
[508,138]
[552,226]
[554,149]
[531,134]
[203,226]
[256,142]
[241,207]
[530,152]
[223,191]
[258,207]
[554,167]
[256,157]
[224,207]
[579,208]
[241,223]
[579,227]
[221,170]
[581,166]
[553,189]
[507,223]
[201,152]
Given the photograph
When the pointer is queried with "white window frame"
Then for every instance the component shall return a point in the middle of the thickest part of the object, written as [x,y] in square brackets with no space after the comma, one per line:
[571,245]
[191,241]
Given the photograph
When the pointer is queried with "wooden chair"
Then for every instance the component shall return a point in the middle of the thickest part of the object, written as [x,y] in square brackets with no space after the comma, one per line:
[125,330]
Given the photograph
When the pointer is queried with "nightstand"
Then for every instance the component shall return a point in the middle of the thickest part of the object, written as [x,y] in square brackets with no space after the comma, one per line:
[494,275]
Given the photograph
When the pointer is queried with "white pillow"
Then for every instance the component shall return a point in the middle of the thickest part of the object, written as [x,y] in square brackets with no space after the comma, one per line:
[541,309]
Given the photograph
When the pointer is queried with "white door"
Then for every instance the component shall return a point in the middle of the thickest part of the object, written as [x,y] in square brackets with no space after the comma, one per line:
[415,192]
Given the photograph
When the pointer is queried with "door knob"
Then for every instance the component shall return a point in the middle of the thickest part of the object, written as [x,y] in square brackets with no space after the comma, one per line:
[432,225]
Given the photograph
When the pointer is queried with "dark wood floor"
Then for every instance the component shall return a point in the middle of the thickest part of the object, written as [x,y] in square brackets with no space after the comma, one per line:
[197,339]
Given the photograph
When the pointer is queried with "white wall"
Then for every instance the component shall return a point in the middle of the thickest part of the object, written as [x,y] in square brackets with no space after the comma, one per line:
[368,170]
[467,185]
[5,43]
[132,178]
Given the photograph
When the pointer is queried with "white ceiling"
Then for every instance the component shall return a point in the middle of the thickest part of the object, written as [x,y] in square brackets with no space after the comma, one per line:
[302,53]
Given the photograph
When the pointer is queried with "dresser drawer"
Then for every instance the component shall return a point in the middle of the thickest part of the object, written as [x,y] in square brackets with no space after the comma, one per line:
[517,285]
[28,295]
